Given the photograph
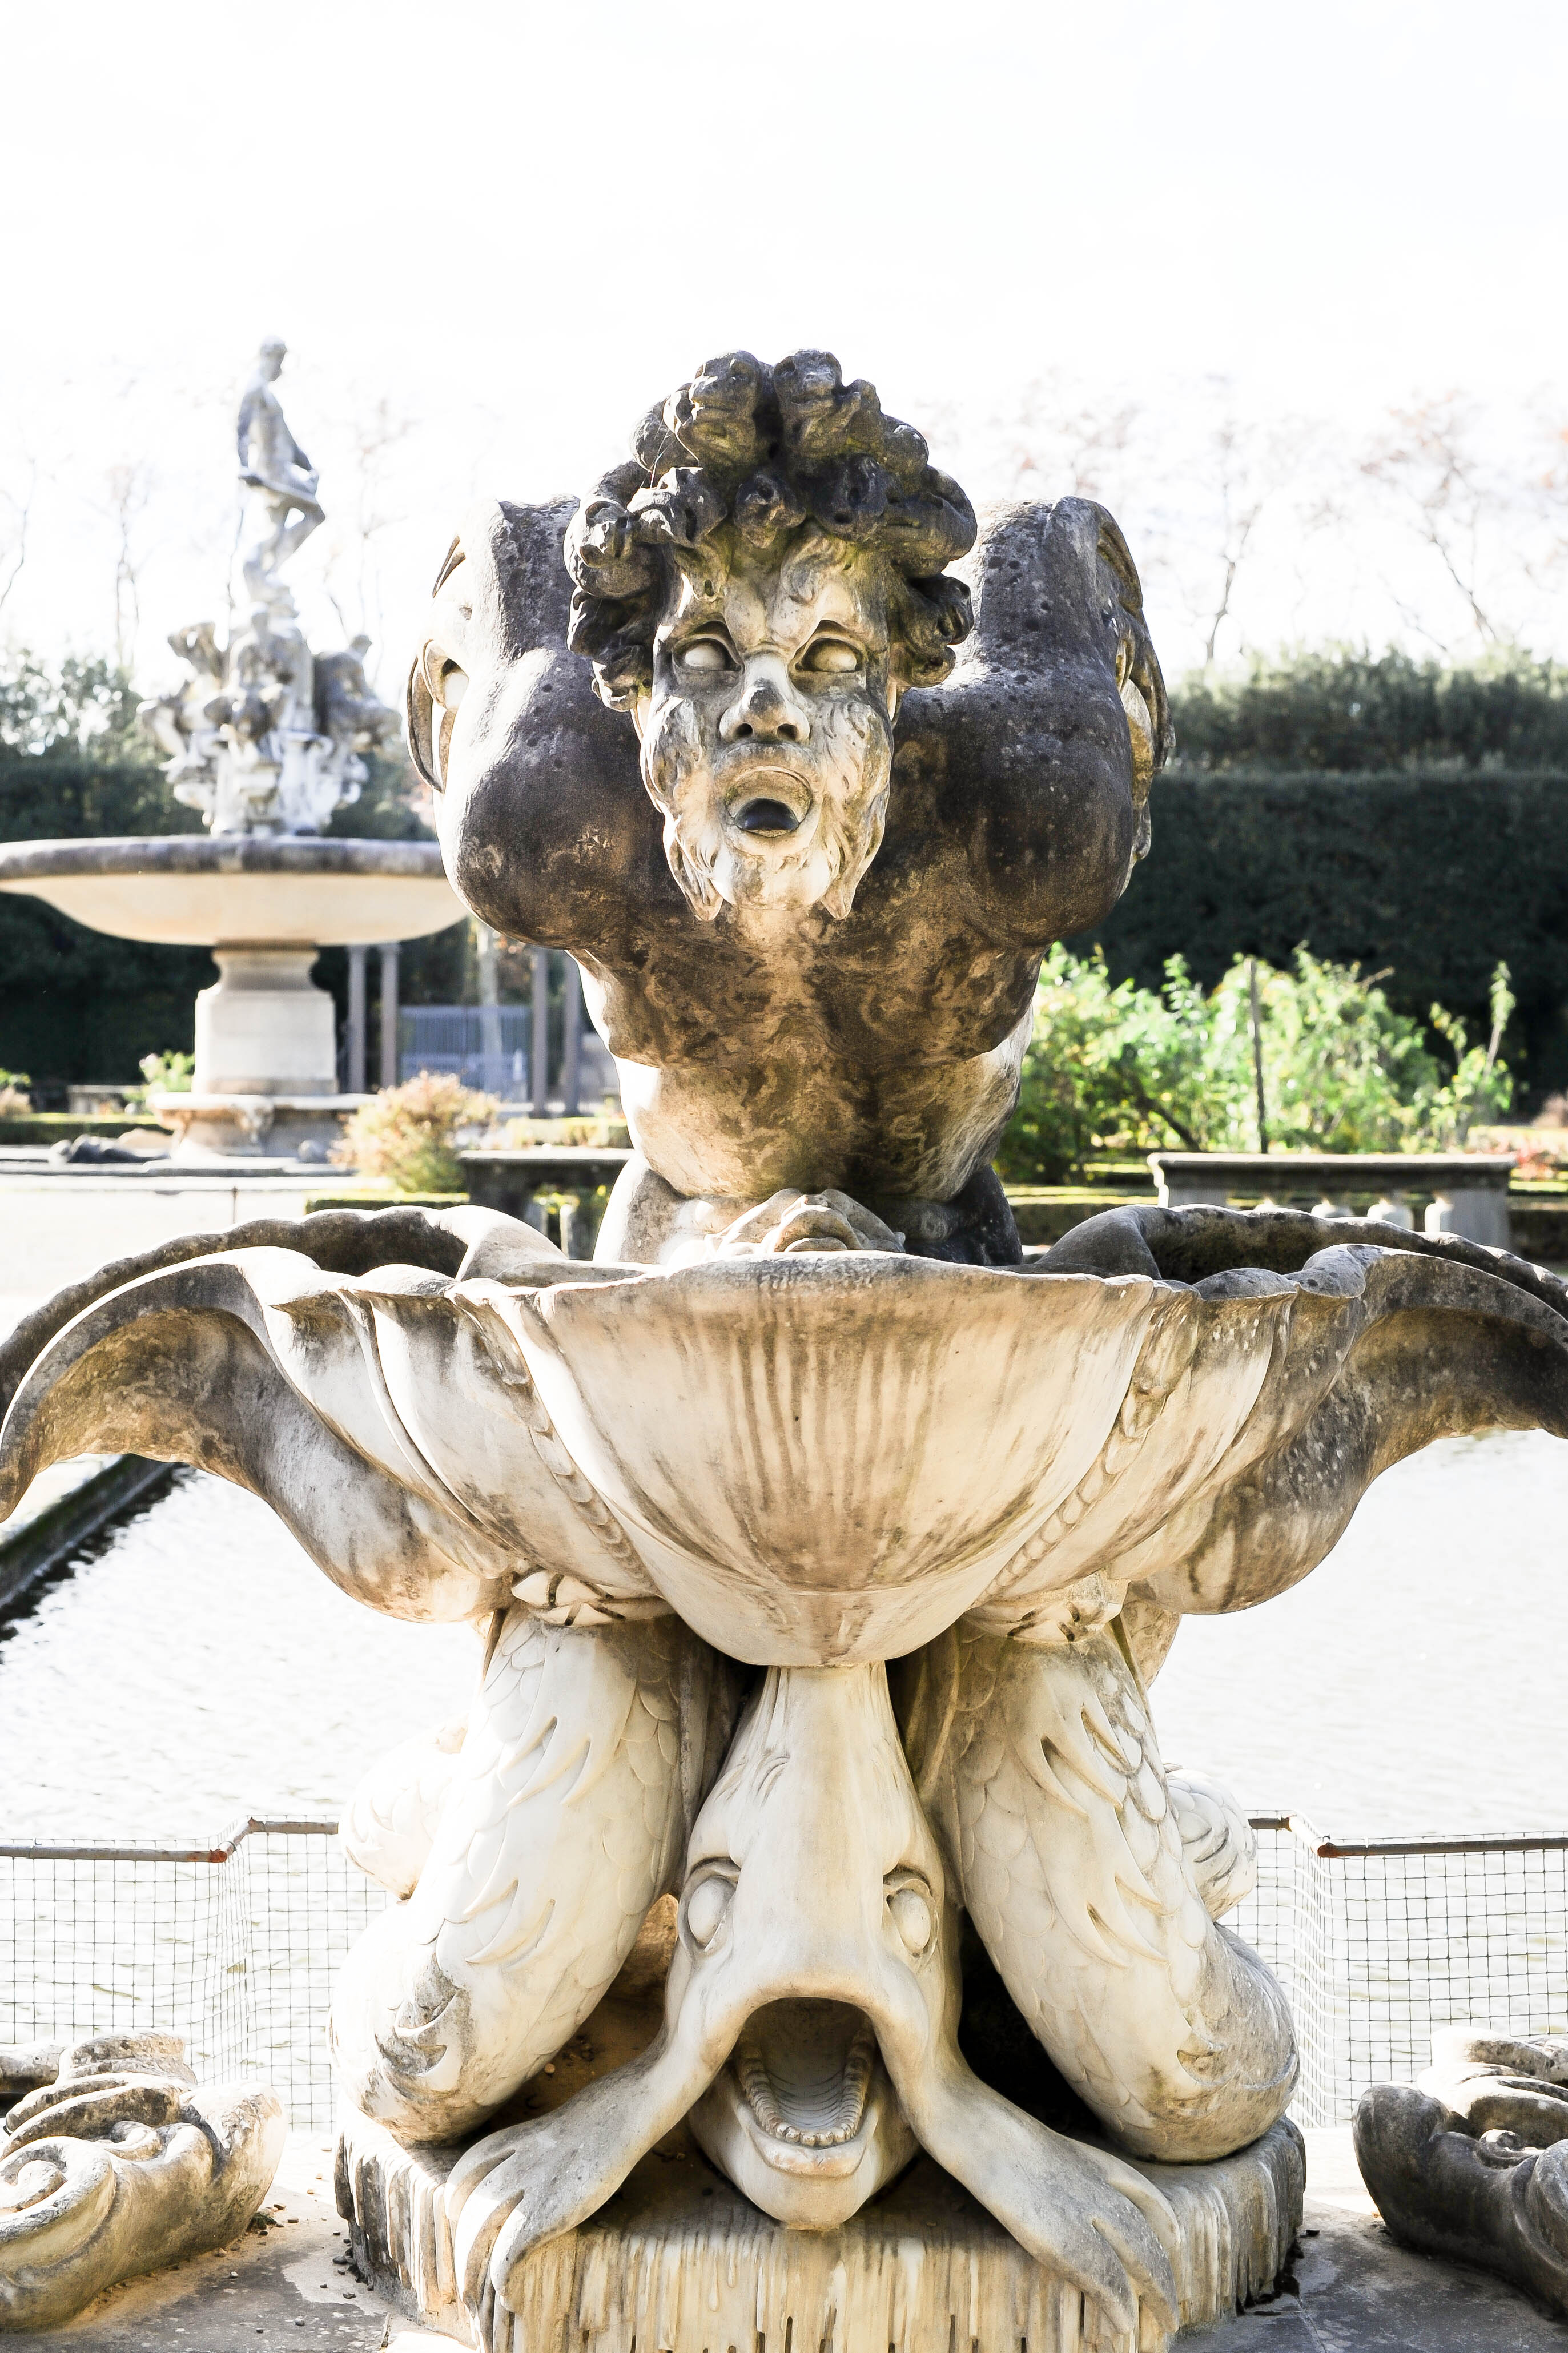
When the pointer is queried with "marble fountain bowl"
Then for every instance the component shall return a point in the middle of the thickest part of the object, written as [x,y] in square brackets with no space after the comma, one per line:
[828,1460]
[817,1461]
[197,889]
[815,1465]
[266,1035]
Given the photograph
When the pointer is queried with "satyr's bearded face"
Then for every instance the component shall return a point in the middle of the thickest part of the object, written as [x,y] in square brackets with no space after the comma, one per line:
[766,734]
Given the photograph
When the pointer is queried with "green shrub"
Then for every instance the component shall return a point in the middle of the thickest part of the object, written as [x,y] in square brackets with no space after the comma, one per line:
[1434,880]
[1114,1067]
[168,1074]
[408,1136]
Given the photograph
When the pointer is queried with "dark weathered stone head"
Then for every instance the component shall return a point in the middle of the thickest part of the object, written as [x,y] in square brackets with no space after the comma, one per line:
[762,591]
[757,585]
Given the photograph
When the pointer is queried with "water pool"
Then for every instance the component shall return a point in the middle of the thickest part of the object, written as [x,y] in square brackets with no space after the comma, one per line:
[201,1667]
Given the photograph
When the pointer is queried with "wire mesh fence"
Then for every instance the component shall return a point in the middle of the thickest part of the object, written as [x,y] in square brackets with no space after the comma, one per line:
[235,1947]
[1378,1941]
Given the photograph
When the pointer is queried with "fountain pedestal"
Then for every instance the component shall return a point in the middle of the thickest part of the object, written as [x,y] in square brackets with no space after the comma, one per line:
[266,1061]
[681,2261]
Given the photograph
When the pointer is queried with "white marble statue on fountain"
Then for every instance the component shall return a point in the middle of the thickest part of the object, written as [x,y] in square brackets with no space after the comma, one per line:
[276,470]
[266,738]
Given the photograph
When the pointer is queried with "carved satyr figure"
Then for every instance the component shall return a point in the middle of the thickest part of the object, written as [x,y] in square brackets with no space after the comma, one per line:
[697,1494]
[810,937]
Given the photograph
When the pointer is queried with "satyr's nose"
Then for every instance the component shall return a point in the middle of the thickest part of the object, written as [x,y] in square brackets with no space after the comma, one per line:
[765,708]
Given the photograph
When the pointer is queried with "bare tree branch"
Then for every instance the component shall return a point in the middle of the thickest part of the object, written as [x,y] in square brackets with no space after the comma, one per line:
[1427,462]
[354,526]
[128,488]
[22,514]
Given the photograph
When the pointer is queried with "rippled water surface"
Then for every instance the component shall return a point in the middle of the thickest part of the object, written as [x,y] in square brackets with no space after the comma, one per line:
[1418,1679]
[202,1667]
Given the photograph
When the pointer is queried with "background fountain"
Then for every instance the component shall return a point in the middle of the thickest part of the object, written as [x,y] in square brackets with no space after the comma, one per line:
[267,739]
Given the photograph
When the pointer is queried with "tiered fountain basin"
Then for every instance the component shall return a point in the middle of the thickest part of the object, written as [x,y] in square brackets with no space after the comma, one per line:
[266,1076]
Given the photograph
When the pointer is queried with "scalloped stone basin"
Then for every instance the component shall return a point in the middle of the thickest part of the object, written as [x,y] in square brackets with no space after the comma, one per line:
[266,1036]
[829,1459]
[197,889]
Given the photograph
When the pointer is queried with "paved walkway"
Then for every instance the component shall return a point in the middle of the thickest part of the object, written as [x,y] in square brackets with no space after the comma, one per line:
[282,2285]
[56,1230]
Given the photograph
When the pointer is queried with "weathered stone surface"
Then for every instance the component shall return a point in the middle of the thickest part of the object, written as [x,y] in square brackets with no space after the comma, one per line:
[584,1451]
[119,2164]
[1472,2163]
[810,926]
[678,2259]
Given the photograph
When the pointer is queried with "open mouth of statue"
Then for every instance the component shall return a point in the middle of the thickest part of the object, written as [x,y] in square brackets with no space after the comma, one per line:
[767,799]
[806,2073]
[765,817]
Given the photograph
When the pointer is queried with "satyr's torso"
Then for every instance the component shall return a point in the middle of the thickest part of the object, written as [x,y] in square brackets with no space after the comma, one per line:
[878,1054]
[808,874]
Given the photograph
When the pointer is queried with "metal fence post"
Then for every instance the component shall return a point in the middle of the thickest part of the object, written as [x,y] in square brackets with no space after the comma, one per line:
[572,1039]
[486,946]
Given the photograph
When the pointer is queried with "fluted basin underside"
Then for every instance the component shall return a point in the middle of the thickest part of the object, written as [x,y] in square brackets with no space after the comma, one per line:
[814,1461]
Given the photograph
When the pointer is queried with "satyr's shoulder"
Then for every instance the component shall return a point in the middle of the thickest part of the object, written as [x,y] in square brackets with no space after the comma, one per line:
[1041,749]
[545,825]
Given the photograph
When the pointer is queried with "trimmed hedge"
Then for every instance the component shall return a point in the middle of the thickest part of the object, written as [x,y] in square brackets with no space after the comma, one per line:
[1438,877]
[1344,711]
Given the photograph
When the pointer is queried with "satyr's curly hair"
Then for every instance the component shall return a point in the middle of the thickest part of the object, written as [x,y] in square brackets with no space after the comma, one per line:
[767,452]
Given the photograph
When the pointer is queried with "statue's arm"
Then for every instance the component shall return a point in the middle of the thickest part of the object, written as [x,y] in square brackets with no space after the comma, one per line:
[1040,750]
[540,764]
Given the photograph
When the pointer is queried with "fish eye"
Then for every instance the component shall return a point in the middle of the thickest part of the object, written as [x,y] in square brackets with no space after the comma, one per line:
[706,1904]
[913,1912]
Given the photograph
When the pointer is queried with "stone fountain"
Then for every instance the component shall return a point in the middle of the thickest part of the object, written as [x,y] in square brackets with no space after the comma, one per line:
[803,1940]
[266,740]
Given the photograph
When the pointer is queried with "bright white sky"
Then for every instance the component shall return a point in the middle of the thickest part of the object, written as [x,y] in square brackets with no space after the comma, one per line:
[517,224]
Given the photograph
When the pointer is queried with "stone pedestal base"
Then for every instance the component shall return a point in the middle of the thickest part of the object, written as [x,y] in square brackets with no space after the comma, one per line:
[264,1026]
[679,2262]
[254,1127]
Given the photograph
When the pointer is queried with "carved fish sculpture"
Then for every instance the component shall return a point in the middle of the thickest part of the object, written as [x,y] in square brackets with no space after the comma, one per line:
[669,1499]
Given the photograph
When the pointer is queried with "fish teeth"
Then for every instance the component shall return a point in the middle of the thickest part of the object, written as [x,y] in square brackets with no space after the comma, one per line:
[849,2109]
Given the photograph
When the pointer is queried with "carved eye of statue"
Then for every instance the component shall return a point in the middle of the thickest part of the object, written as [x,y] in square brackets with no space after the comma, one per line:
[705,654]
[833,656]
[706,1904]
[450,686]
[913,1914]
